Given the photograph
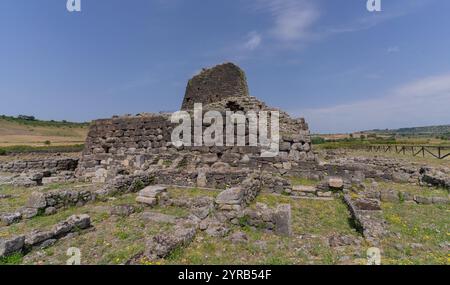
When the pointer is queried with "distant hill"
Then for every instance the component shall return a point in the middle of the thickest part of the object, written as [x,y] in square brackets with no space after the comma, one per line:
[429,130]
[27,130]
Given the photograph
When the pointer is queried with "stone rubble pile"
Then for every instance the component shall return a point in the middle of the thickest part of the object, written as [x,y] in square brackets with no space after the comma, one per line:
[38,238]
[152,195]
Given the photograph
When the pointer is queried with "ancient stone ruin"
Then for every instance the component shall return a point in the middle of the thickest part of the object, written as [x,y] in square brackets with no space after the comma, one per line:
[130,144]
[215,84]
[135,154]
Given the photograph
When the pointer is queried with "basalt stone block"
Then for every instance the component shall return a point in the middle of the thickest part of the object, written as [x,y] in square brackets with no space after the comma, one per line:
[231,196]
[423,200]
[37,237]
[37,200]
[11,245]
[147,200]
[367,204]
[283,220]
[152,191]
[336,183]
[10,218]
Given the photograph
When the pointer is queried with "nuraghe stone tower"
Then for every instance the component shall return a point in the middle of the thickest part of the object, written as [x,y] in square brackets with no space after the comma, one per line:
[130,145]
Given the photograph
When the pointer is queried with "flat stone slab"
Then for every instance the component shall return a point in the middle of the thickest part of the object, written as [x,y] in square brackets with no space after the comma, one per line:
[336,182]
[304,188]
[232,196]
[146,200]
[152,191]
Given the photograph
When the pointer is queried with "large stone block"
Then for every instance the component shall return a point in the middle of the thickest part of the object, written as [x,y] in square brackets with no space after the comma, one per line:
[283,220]
[231,196]
[11,245]
[152,191]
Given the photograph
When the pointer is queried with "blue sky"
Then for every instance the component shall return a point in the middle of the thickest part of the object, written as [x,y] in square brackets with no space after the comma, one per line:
[333,62]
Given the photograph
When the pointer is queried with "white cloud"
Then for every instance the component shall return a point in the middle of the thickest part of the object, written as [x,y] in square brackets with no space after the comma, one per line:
[422,102]
[292,19]
[253,41]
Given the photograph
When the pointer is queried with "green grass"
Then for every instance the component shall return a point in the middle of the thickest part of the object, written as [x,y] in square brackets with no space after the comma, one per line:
[411,188]
[303,181]
[41,123]
[426,225]
[114,240]
[40,149]
[13,259]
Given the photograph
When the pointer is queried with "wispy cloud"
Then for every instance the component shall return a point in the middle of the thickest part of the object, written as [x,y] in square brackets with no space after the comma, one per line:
[253,41]
[292,19]
[424,102]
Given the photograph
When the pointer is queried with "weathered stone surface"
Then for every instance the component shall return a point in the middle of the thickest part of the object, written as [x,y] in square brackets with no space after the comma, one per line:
[158,217]
[343,240]
[440,200]
[215,84]
[201,212]
[371,223]
[217,230]
[238,237]
[231,196]
[50,211]
[10,218]
[423,200]
[37,200]
[163,244]
[367,204]
[122,210]
[152,191]
[283,220]
[147,200]
[28,213]
[304,188]
[201,180]
[37,237]
[11,245]
[131,144]
[72,223]
[336,183]
[389,196]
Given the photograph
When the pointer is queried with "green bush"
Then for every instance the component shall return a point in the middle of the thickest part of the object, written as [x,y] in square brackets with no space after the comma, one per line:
[317,140]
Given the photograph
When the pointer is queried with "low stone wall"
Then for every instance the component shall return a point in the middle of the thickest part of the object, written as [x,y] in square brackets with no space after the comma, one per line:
[278,220]
[49,202]
[43,239]
[52,165]
[233,200]
[368,217]
[395,196]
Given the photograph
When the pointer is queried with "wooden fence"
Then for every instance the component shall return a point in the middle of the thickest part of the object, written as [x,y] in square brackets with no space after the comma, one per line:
[439,152]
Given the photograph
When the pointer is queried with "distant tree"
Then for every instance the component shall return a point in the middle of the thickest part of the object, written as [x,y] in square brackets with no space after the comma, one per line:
[47,142]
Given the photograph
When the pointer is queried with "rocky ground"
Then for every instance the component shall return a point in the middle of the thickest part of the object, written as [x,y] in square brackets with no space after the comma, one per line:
[407,220]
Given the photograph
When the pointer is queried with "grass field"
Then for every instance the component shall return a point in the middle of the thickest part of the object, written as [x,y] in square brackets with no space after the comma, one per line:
[17,132]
